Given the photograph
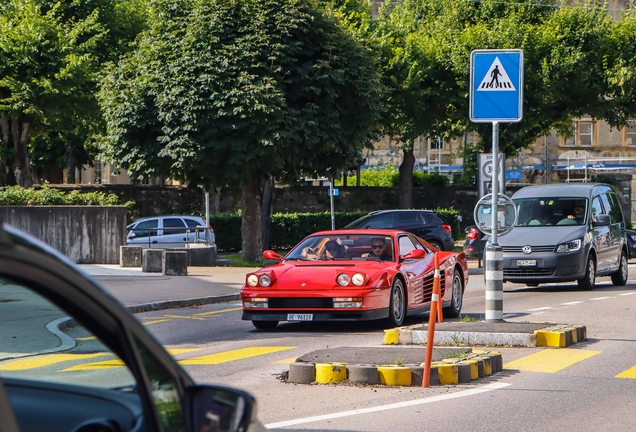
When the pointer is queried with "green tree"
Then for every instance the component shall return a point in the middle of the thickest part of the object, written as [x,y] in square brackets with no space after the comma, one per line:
[50,52]
[229,93]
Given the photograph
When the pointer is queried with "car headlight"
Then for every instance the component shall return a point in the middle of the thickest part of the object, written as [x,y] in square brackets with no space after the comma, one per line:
[343,279]
[358,279]
[252,280]
[264,280]
[571,246]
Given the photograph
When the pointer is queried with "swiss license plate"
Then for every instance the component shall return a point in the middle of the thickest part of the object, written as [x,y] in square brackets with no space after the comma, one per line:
[525,263]
[300,317]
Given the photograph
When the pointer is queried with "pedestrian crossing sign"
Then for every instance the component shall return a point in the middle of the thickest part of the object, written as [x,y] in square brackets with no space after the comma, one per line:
[496,86]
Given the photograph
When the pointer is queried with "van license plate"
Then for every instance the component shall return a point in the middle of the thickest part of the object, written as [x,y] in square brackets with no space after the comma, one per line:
[300,317]
[525,263]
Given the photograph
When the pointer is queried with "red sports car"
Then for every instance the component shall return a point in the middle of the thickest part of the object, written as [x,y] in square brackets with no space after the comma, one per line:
[353,275]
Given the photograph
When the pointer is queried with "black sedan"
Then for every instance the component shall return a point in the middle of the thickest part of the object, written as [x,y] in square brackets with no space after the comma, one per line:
[631,243]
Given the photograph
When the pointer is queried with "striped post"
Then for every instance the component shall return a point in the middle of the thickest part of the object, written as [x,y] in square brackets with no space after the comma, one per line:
[428,355]
[494,283]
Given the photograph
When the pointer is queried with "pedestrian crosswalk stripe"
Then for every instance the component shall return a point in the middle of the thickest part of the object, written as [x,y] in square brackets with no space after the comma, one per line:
[550,360]
[496,79]
[45,360]
[238,354]
[629,373]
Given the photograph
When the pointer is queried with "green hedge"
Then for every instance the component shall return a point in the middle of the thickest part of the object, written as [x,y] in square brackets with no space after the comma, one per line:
[287,229]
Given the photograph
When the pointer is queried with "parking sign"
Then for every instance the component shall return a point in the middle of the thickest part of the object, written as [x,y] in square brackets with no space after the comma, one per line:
[496,86]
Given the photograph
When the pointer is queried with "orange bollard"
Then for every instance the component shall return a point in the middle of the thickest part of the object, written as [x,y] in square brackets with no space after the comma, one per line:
[437,284]
[435,300]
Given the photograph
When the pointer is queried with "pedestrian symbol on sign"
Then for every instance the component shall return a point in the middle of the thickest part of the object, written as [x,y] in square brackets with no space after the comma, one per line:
[496,79]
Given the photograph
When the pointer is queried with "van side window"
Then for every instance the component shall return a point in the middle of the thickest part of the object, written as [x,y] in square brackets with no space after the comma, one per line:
[616,215]
[597,208]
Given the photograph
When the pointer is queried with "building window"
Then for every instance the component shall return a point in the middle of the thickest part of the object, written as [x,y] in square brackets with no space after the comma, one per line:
[583,134]
[630,133]
[97,172]
[437,144]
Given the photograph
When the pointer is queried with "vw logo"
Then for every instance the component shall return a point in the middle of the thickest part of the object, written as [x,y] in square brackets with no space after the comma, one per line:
[527,249]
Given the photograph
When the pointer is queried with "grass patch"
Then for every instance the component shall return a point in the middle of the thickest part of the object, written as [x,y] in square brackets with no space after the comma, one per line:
[468,318]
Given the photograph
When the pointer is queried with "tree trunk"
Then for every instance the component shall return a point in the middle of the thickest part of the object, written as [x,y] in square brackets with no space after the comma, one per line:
[70,157]
[267,201]
[406,179]
[252,241]
[15,134]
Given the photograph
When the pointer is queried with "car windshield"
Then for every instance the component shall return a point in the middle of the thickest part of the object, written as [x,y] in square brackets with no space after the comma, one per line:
[343,247]
[551,211]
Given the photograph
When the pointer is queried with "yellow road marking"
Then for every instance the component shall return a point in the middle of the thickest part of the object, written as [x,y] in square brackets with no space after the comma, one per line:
[184,317]
[45,360]
[86,338]
[550,360]
[233,355]
[286,361]
[629,373]
[219,311]
[175,351]
[107,364]
[156,321]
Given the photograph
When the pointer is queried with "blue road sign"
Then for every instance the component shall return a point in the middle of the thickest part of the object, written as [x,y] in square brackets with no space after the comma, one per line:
[496,86]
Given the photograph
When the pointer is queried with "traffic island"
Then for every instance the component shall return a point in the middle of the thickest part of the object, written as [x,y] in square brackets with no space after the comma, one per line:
[449,367]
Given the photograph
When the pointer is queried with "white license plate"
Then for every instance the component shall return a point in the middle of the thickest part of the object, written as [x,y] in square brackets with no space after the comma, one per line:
[522,263]
[300,317]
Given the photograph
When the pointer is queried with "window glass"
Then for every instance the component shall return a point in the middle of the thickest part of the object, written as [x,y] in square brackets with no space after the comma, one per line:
[410,219]
[146,228]
[597,208]
[173,226]
[615,212]
[630,133]
[192,223]
[548,211]
[379,221]
[406,245]
[586,133]
[416,243]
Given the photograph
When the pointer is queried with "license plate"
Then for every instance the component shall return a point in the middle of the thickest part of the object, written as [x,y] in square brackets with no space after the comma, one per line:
[522,263]
[300,317]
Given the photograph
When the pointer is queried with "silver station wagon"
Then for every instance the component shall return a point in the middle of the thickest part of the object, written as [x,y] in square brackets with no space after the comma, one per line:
[566,232]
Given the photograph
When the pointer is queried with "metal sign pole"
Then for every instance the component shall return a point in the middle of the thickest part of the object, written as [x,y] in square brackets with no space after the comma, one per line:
[333,219]
[494,252]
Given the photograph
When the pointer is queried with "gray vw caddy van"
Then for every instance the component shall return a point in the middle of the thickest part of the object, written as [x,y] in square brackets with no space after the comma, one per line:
[554,242]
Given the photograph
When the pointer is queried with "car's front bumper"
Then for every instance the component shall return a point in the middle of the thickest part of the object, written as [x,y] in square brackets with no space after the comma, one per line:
[317,315]
[550,267]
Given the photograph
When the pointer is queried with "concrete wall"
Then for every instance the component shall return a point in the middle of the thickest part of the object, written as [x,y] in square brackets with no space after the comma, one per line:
[86,234]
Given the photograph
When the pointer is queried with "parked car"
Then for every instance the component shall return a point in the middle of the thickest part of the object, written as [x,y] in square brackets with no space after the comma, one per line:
[169,232]
[353,275]
[566,232]
[425,224]
[630,237]
[475,242]
[54,318]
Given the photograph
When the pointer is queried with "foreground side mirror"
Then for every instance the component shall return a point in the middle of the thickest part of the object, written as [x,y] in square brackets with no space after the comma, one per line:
[414,254]
[271,255]
[216,408]
[602,220]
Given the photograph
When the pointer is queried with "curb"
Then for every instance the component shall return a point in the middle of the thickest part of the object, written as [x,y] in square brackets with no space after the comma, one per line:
[451,371]
[174,304]
[561,335]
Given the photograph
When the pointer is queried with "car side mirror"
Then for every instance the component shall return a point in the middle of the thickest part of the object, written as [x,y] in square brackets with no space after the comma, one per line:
[602,220]
[414,254]
[218,408]
[271,255]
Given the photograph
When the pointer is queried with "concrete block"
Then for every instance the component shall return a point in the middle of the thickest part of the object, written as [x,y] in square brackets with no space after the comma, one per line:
[151,260]
[174,263]
[301,373]
[201,256]
[363,374]
[130,256]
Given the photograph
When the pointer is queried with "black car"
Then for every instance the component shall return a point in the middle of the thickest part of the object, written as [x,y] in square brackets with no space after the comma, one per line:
[631,243]
[475,243]
[425,224]
[53,317]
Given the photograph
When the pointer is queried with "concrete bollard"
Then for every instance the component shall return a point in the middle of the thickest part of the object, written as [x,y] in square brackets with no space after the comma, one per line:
[363,374]
[301,373]
[130,256]
[174,263]
[151,260]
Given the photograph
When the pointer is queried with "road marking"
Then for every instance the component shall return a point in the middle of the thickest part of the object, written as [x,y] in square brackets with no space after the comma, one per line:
[185,317]
[87,338]
[550,360]
[629,373]
[238,354]
[106,364]
[156,321]
[539,309]
[286,361]
[220,311]
[626,294]
[46,360]
[571,303]
[600,298]
[440,398]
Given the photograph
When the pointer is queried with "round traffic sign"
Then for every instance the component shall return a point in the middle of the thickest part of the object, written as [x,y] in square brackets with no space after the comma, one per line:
[506,215]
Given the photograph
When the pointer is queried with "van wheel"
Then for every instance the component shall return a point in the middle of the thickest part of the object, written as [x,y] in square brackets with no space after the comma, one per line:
[588,281]
[457,297]
[265,325]
[620,277]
